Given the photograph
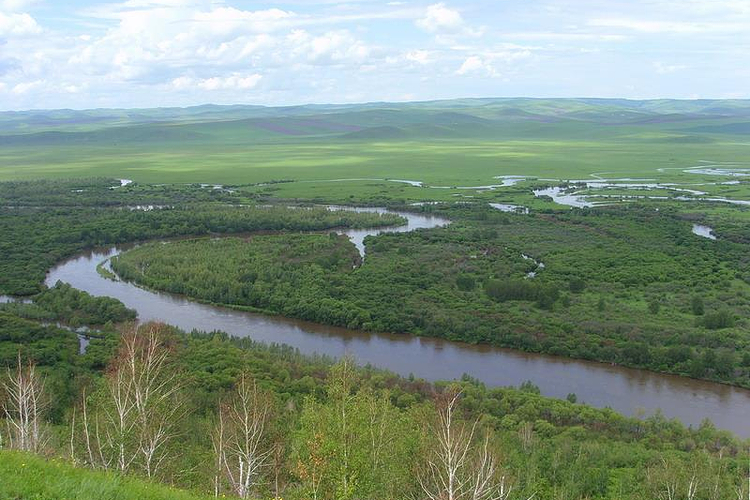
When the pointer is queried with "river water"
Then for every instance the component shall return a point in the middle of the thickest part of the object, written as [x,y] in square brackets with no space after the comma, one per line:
[704,231]
[625,390]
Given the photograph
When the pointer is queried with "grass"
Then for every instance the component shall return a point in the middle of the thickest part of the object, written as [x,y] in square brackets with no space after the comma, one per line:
[104,272]
[447,162]
[313,166]
[28,477]
[458,143]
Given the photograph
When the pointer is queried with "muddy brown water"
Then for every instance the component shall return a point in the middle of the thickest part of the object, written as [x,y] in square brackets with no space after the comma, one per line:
[625,390]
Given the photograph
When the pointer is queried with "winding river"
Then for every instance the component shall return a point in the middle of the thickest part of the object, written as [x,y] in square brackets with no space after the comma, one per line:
[626,390]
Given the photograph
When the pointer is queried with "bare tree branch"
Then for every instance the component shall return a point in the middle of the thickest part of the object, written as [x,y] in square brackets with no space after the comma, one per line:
[239,438]
[24,408]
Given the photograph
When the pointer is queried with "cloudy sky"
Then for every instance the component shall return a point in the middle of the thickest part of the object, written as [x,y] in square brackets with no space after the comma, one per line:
[143,53]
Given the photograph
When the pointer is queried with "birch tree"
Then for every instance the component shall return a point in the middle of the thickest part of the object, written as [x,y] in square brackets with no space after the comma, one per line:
[671,479]
[240,445]
[23,408]
[457,467]
[128,423]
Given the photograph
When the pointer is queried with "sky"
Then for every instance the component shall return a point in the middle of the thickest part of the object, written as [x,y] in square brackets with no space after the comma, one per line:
[148,53]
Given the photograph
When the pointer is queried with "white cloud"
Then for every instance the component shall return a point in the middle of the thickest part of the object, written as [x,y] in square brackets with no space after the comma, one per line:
[183,82]
[231,82]
[419,56]
[665,69]
[489,62]
[660,27]
[441,19]
[16,5]
[20,24]
[74,89]
[24,87]
[472,64]
[138,52]
[712,7]
[564,37]
[446,24]
[227,19]
[234,82]
[329,48]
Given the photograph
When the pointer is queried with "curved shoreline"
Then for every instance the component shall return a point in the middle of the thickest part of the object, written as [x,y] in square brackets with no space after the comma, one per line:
[626,390]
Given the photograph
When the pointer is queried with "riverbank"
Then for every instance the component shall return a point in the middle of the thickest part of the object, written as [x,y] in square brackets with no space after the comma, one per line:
[626,390]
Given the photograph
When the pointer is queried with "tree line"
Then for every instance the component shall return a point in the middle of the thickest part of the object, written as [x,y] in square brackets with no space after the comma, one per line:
[642,292]
[35,239]
[352,433]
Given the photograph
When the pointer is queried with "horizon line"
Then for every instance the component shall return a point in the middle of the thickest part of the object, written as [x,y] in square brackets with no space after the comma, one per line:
[387,102]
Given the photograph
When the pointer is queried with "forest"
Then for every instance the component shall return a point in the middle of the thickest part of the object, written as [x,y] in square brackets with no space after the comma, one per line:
[628,285]
[64,304]
[309,427]
[37,237]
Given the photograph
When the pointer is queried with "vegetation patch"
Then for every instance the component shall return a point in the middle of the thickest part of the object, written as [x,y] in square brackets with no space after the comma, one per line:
[619,285]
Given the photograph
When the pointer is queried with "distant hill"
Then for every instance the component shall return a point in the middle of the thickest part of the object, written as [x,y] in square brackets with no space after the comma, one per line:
[741,128]
[493,118]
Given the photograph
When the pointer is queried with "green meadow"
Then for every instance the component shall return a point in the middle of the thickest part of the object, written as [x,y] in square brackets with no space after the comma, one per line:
[442,144]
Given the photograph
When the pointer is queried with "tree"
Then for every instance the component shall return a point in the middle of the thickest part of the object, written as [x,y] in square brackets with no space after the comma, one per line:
[240,448]
[465,283]
[24,407]
[723,318]
[577,285]
[129,422]
[330,461]
[356,444]
[671,480]
[654,306]
[456,468]
[696,304]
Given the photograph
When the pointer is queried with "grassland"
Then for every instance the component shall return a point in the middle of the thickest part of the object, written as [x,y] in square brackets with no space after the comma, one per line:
[30,477]
[449,144]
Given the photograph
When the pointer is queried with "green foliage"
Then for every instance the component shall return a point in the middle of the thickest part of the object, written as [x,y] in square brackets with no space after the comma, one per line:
[654,306]
[577,285]
[530,387]
[355,445]
[349,432]
[420,283]
[503,291]
[53,350]
[723,318]
[465,283]
[77,308]
[30,477]
[290,275]
[34,239]
[696,305]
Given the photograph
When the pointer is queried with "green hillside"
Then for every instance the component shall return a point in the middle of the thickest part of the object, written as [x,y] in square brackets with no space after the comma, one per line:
[28,477]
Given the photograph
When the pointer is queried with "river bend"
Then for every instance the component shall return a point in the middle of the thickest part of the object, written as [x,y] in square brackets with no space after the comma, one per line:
[626,390]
